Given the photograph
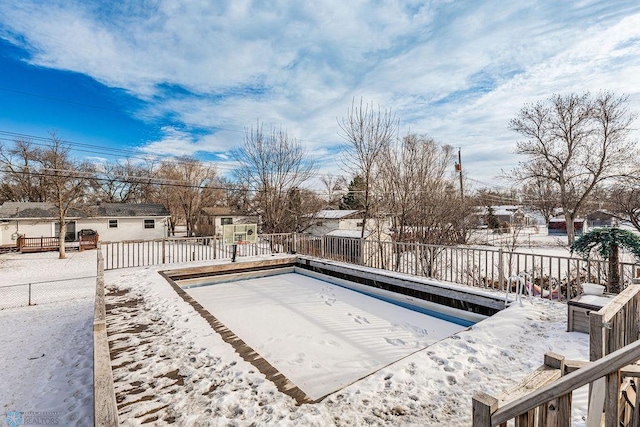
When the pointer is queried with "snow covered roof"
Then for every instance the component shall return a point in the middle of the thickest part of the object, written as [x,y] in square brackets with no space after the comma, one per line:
[352,234]
[336,214]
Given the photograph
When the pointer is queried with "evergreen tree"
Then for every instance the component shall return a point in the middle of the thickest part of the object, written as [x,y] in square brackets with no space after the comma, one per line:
[492,220]
[354,199]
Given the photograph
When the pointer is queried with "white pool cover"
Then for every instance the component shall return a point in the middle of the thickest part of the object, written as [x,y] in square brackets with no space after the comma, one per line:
[319,335]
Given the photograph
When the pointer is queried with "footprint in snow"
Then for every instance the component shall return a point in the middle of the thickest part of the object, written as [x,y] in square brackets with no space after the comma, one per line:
[394,341]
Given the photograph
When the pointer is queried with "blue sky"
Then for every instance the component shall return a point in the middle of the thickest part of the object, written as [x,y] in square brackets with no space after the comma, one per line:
[169,77]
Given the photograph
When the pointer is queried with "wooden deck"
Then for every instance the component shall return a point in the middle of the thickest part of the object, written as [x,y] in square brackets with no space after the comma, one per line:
[45,244]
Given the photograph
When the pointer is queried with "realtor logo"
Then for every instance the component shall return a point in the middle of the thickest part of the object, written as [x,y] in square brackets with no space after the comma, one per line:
[14,418]
[17,418]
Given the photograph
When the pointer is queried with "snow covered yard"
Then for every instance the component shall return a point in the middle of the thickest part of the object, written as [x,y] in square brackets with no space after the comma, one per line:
[46,350]
[171,367]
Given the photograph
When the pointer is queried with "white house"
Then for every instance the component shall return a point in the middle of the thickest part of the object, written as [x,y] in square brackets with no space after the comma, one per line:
[112,221]
[326,221]
[341,232]
[211,219]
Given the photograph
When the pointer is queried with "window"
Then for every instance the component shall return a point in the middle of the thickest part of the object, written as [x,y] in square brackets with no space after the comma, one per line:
[113,223]
[149,223]
[360,224]
[226,221]
[319,223]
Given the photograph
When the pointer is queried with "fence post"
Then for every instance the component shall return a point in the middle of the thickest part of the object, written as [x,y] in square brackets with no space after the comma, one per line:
[482,407]
[417,258]
[361,254]
[163,252]
[501,268]
[29,293]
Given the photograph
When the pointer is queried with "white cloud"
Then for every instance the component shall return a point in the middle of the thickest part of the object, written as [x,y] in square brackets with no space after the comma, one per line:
[457,71]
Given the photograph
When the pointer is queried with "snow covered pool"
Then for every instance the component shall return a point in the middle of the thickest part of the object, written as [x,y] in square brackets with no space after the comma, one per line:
[320,335]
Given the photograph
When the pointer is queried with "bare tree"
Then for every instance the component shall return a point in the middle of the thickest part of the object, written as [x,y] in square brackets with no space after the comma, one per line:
[419,191]
[122,182]
[66,181]
[624,201]
[334,188]
[368,132]
[20,169]
[187,185]
[574,143]
[541,196]
[272,166]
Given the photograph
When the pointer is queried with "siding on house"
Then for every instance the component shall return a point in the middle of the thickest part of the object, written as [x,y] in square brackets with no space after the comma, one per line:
[40,219]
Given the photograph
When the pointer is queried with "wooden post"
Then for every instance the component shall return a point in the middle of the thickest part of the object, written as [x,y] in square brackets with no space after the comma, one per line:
[611,400]
[483,405]
[163,250]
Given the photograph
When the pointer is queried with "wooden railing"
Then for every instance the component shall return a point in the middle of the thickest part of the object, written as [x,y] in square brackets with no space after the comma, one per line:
[37,244]
[104,397]
[88,242]
[613,329]
[550,405]
[616,324]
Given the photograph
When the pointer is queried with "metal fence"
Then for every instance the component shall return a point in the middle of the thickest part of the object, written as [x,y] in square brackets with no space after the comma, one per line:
[553,275]
[556,276]
[138,253]
[45,292]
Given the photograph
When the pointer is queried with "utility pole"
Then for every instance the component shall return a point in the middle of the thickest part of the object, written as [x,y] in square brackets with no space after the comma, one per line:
[459,170]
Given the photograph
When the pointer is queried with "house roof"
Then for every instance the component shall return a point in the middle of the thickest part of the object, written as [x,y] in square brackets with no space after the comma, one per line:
[336,214]
[218,211]
[352,234]
[13,210]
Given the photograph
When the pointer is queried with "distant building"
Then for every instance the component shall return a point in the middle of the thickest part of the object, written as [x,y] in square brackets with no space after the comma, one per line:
[341,237]
[112,221]
[326,221]
[211,219]
[558,226]
[600,218]
[511,215]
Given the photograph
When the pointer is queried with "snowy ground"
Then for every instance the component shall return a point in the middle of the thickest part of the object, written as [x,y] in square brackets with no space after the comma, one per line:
[46,350]
[171,367]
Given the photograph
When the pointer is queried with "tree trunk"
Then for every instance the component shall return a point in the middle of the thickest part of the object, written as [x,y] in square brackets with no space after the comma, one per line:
[614,271]
[61,236]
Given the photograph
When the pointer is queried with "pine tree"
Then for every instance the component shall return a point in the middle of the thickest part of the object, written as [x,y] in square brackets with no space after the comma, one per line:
[354,199]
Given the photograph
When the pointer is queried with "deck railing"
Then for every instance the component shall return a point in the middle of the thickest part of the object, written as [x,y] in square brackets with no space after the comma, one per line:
[138,253]
[37,244]
[469,265]
[614,329]
[551,403]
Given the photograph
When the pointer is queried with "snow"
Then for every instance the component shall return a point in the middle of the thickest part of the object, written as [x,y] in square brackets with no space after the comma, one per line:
[170,366]
[334,213]
[350,234]
[319,335]
[46,350]
[432,386]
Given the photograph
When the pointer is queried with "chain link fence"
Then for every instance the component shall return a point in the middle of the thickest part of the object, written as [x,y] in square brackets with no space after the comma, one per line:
[45,292]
